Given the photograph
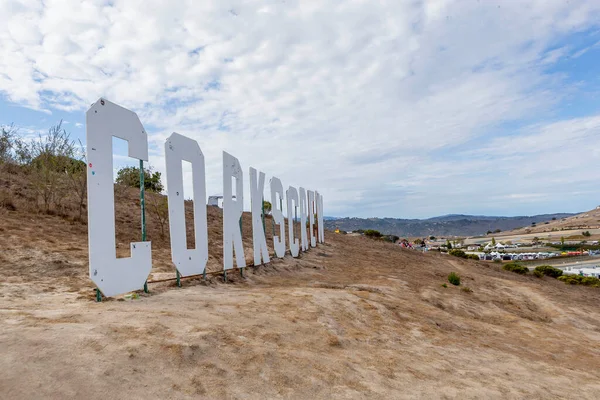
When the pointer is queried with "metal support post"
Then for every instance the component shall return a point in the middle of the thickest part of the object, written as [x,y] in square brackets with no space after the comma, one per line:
[143,205]
[263,215]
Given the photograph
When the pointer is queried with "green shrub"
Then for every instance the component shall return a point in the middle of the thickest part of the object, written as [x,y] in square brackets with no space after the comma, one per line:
[569,279]
[516,268]
[549,271]
[590,281]
[457,253]
[444,285]
[538,273]
[391,238]
[472,257]
[467,289]
[130,176]
[580,280]
[454,279]
[497,261]
[372,233]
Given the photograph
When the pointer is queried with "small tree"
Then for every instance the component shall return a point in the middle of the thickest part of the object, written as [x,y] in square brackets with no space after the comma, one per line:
[562,242]
[448,244]
[493,241]
[267,206]
[7,143]
[159,209]
[586,233]
[130,176]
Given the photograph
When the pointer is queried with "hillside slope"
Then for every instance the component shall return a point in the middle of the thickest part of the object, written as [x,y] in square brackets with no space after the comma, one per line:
[353,318]
[448,225]
[580,222]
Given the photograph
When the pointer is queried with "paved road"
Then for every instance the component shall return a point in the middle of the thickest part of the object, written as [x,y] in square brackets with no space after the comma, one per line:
[592,261]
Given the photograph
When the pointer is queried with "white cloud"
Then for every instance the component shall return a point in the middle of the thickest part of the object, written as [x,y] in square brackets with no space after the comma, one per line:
[361,100]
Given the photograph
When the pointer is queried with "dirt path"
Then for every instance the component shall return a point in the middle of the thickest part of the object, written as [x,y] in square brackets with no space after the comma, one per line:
[352,319]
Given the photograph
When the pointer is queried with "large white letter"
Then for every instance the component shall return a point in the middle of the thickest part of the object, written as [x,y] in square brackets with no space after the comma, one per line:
[112,275]
[187,261]
[277,212]
[259,241]
[321,227]
[303,205]
[292,196]
[232,212]
[311,217]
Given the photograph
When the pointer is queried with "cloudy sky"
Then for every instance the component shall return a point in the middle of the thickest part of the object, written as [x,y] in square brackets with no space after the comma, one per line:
[390,108]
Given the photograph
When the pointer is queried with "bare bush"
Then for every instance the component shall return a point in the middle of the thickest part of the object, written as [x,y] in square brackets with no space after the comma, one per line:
[159,209]
[77,178]
[49,157]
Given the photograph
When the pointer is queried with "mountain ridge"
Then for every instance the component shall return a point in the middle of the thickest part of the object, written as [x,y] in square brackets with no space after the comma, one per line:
[444,225]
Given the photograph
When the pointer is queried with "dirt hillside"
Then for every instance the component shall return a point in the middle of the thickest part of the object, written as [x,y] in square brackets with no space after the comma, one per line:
[353,318]
[589,220]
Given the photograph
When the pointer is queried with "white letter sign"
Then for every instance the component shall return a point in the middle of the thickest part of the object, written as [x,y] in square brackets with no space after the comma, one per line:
[311,218]
[292,196]
[259,241]
[303,205]
[232,212]
[276,210]
[187,261]
[321,227]
[112,275]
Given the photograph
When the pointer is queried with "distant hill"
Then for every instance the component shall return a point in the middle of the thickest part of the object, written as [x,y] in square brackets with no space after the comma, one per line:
[447,225]
[585,220]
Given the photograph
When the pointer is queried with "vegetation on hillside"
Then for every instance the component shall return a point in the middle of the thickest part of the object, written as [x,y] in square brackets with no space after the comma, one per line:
[454,278]
[549,271]
[130,176]
[54,165]
[48,173]
[580,280]
[516,268]
[371,233]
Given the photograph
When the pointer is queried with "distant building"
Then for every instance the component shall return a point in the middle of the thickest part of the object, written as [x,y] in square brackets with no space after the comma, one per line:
[214,200]
[586,271]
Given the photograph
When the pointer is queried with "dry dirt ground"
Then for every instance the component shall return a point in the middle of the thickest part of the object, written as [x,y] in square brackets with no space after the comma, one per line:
[353,318]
